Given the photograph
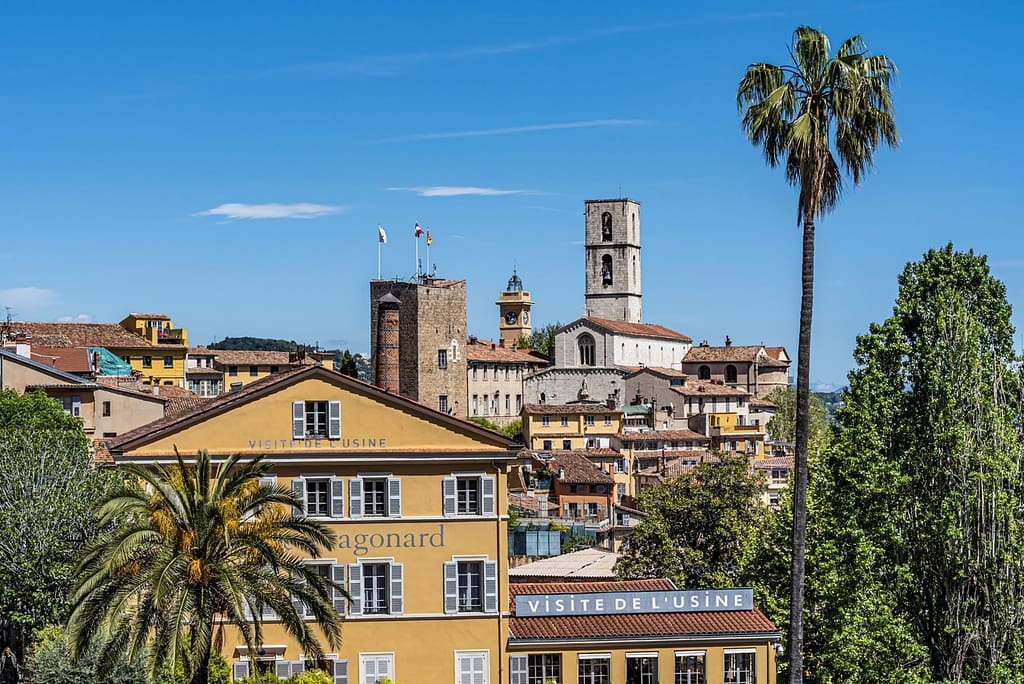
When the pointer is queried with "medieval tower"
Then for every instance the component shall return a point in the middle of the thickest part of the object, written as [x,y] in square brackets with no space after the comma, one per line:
[612,241]
[430,314]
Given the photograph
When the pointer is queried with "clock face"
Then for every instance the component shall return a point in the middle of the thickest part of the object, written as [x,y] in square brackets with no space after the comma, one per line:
[511,317]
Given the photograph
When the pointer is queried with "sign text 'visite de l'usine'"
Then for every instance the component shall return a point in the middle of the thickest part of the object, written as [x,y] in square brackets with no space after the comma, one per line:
[318,443]
[634,602]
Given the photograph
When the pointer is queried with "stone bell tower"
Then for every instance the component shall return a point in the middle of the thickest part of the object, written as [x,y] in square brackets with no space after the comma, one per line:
[514,307]
[612,242]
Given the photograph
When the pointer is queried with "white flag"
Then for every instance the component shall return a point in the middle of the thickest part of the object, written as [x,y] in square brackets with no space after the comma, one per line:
[381,235]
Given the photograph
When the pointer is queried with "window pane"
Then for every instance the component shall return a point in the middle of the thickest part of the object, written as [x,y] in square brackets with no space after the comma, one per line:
[375,591]
[470,574]
[594,671]
[467,492]
[375,497]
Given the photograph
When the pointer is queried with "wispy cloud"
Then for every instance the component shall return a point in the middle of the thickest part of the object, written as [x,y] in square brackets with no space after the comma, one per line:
[460,190]
[26,300]
[511,130]
[79,318]
[302,210]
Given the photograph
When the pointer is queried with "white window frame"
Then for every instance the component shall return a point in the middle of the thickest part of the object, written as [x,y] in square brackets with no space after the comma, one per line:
[752,652]
[392,493]
[607,657]
[485,654]
[335,494]
[645,654]
[488,585]
[333,417]
[377,658]
[395,586]
[683,654]
[487,499]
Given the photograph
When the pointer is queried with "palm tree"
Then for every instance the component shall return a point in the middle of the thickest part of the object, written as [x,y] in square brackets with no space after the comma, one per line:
[195,546]
[807,114]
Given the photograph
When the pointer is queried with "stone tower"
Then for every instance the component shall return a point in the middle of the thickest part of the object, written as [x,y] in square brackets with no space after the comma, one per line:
[514,308]
[612,241]
[431,317]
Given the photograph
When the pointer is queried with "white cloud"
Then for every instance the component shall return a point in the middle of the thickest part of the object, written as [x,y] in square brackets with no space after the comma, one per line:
[302,210]
[80,318]
[25,300]
[593,123]
[459,190]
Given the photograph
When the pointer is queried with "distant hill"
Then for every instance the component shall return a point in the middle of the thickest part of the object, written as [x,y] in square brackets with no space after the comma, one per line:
[356,365]
[833,401]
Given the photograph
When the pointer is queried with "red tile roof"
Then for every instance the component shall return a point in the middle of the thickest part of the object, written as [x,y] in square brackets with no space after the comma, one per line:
[487,351]
[706,388]
[647,435]
[657,370]
[639,329]
[70,360]
[239,357]
[82,335]
[734,353]
[773,462]
[563,627]
[559,409]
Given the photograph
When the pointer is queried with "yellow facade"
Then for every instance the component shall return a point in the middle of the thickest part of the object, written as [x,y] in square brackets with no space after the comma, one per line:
[728,435]
[380,437]
[561,429]
[164,362]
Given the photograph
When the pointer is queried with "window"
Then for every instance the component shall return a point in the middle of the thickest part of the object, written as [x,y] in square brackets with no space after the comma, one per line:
[323,497]
[730,373]
[594,668]
[620,491]
[540,667]
[106,408]
[590,421]
[376,666]
[471,586]
[506,372]
[585,344]
[316,419]
[606,270]
[468,495]
[704,373]
[325,571]
[168,362]
[485,372]
[442,403]
[232,371]
[606,227]
[519,403]
[376,496]
[147,361]
[475,405]
[442,358]
[739,667]
[607,421]
[72,405]
[471,667]
[508,403]
[545,421]
[567,444]
[620,465]
[273,369]
[547,445]
[564,421]
[474,372]
[375,588]
[254,371]
[690,668]
[642,668]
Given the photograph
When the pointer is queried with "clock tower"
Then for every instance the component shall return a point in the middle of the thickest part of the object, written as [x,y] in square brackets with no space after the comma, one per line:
[514,307]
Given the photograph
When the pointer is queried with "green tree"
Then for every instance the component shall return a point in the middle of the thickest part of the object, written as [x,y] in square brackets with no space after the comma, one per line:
[805,114]
[541,339]
[697,525]
[782,425]
[203,543]
[51,662]
[48,489]
[927,469]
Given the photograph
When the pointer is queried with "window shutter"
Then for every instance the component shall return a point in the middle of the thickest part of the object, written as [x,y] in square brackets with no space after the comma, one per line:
[240,669]
[340,671]
[300,607]
[298,419]
[451,587]
[334,419]
[384,668]
[394,497]
[267,613]
[517,670]
[338,575]
[397,596]
[369,669]
[487,497]
[298,666]
[478,668]
[490,586]
[299,491]
[448,495]
[337,497]
[355,498]
[283,668]
[355,589]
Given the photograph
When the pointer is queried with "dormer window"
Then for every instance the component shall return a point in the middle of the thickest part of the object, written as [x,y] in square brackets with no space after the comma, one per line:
[316,419]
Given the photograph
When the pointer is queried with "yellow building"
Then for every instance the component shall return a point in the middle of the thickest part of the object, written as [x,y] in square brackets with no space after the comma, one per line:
[577,425]
[416,498]
[164,363]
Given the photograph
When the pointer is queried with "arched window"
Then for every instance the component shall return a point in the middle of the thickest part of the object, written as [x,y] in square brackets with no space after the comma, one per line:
[585,343]
[606,269]
[543,398]
[704,373]
[730,373]
[606,227]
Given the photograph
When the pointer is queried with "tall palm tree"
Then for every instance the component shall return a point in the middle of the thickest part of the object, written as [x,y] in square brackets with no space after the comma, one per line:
[198,545]
[807,114]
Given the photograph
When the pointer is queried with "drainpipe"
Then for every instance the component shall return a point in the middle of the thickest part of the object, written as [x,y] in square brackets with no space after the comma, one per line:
[502,563]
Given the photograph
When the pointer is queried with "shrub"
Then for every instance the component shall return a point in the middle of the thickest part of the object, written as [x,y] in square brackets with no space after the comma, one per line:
[310,677]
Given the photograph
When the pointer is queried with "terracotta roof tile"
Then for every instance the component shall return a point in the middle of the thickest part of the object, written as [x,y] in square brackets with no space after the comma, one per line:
[559,409]
[189,372]
[530,504]
[152,316]
[681,464]
[179,405]
[74,360]
[773,462]
[238,357]
[676,435]
[658,370]
[578,468]
[733,353]
[706,388]
[639,329]
[487,351]
[82,335]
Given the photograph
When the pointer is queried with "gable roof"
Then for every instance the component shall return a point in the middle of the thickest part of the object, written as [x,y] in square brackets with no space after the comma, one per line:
[706,388]
[253,391]
[648,435]
[61,376]
[595,407]
[636,329]
[587,564]
[732,353]
[74,360]
[655,370]
[573,467]
[246,357]
[82,335]
[485,350]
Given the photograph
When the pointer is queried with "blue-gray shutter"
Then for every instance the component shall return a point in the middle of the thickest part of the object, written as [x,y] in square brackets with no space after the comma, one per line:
[490,586]
[397,595]
[355,498]
[338,575]
[298,419]
[448,497]
[487,496]
[340,671]
[282,668]
[299,491]
[355,589]
[298,666]
[297,603]
[394,497]
[517,670]
[337,497]
[240,669]
[451,587]
[334,419]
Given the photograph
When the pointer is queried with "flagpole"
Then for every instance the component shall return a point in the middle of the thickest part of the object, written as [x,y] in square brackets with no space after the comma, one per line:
[378,258]
[428,249]
[417,257]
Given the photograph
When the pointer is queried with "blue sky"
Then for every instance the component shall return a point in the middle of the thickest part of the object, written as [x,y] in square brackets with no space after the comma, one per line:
[228,163]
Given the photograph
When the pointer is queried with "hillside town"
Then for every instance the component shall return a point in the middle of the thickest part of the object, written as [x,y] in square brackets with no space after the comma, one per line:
[439,517]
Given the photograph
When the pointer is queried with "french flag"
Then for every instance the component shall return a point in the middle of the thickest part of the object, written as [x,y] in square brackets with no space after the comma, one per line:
[419,231]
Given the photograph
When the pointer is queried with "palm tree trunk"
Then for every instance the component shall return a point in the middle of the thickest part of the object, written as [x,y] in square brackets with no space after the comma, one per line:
[803,368]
